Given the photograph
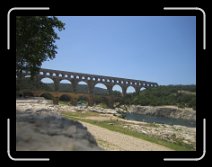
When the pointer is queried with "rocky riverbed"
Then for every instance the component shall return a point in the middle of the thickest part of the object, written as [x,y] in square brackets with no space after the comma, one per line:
[171,133]
[162,111]
[46,124]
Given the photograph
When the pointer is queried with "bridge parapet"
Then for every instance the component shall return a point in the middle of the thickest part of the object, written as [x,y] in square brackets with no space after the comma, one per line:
[61,75]
[91,80]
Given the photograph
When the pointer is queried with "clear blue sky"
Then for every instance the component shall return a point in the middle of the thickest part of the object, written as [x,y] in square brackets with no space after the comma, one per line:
[160,49]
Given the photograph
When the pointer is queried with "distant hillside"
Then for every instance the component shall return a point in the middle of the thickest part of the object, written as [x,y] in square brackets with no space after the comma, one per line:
[64,87]
[179,95]
[67,88]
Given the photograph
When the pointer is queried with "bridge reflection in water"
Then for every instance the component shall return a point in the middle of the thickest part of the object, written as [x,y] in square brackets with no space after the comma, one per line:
[91,80]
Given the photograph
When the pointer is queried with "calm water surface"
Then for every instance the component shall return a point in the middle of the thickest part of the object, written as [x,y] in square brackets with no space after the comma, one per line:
[161,120]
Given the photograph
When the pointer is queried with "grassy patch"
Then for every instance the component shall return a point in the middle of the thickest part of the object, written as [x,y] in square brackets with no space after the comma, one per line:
[80,114]
[64,103]
[117,126]
[107,146]
[103,105]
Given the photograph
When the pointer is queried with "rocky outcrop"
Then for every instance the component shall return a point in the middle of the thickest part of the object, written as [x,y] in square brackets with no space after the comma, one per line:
[164,111]
[40,128]
[101,110]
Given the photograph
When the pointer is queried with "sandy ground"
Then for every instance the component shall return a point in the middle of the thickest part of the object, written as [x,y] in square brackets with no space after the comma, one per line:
[114,141]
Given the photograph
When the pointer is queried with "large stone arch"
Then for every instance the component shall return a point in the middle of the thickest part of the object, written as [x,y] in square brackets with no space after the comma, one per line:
[81,88]
[65,98]
[142,88]
[104,86]
[46,85]
[47,95]
[130,89]
[116,89]
[65,85]
[78,81]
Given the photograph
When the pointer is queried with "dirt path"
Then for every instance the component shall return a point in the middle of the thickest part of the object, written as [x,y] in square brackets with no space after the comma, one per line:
[114,141]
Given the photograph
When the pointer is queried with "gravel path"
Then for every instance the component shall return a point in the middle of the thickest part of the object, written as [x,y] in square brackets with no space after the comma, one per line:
[110,140]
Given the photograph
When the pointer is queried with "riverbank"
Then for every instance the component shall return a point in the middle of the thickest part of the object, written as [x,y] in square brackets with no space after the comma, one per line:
[115,141]
[175,137]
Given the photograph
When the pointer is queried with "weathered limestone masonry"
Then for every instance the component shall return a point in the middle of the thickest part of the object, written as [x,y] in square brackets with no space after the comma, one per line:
[91,81]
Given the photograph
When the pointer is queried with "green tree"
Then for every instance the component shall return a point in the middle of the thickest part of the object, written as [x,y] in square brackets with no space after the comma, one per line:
[35,41]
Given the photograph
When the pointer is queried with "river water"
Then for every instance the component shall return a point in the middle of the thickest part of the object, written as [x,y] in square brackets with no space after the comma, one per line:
[161,120]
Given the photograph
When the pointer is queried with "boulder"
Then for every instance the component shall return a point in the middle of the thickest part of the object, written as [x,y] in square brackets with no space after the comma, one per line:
[46,130]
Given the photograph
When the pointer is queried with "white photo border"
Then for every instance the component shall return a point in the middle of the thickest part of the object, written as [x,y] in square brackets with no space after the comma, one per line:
[8,48]
[48,159]
[204,48]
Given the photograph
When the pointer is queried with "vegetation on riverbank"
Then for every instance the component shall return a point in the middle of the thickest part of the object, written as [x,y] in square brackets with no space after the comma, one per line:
[119,126]
[179,95]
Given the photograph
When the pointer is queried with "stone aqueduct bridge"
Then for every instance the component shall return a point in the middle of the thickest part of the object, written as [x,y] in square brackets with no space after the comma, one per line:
[91,81]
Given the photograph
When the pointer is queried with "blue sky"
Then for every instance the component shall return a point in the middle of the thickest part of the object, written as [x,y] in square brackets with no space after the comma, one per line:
[160,49]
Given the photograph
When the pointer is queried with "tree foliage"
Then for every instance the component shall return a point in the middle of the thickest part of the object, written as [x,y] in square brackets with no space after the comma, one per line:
[35,41]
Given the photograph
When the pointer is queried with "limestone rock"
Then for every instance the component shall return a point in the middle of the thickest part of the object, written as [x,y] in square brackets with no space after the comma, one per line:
[164,111]
[46,130]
